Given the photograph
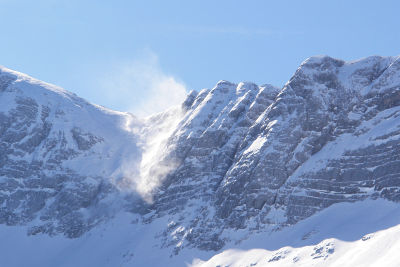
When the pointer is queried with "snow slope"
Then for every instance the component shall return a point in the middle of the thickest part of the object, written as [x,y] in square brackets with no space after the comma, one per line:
[365,233]
[345,234]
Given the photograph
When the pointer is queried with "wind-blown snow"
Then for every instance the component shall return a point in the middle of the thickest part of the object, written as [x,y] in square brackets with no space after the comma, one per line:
[153,168]
[141,86]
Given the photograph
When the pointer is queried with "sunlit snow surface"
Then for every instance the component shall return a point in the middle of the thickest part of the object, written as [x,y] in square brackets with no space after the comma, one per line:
[349,234]
[364,233]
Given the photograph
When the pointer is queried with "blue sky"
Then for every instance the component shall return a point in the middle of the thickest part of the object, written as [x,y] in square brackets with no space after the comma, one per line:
[132,55]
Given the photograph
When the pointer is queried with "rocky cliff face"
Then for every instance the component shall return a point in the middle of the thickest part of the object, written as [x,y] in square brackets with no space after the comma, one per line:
[238,157]
[58,157]
[257,157]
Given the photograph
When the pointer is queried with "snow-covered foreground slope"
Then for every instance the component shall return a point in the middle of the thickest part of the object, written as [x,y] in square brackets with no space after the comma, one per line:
[231,163]
[365,233]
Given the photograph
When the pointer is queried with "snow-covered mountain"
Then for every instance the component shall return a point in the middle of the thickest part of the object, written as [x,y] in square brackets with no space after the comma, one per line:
[238,166]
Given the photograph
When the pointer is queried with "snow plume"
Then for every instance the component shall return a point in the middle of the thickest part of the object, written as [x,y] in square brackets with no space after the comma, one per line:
[156,98]
[146,176]
[142,86]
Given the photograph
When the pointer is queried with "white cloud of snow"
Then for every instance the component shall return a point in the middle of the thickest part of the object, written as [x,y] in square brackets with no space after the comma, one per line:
[144,174]
[142,86]
[154,166]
